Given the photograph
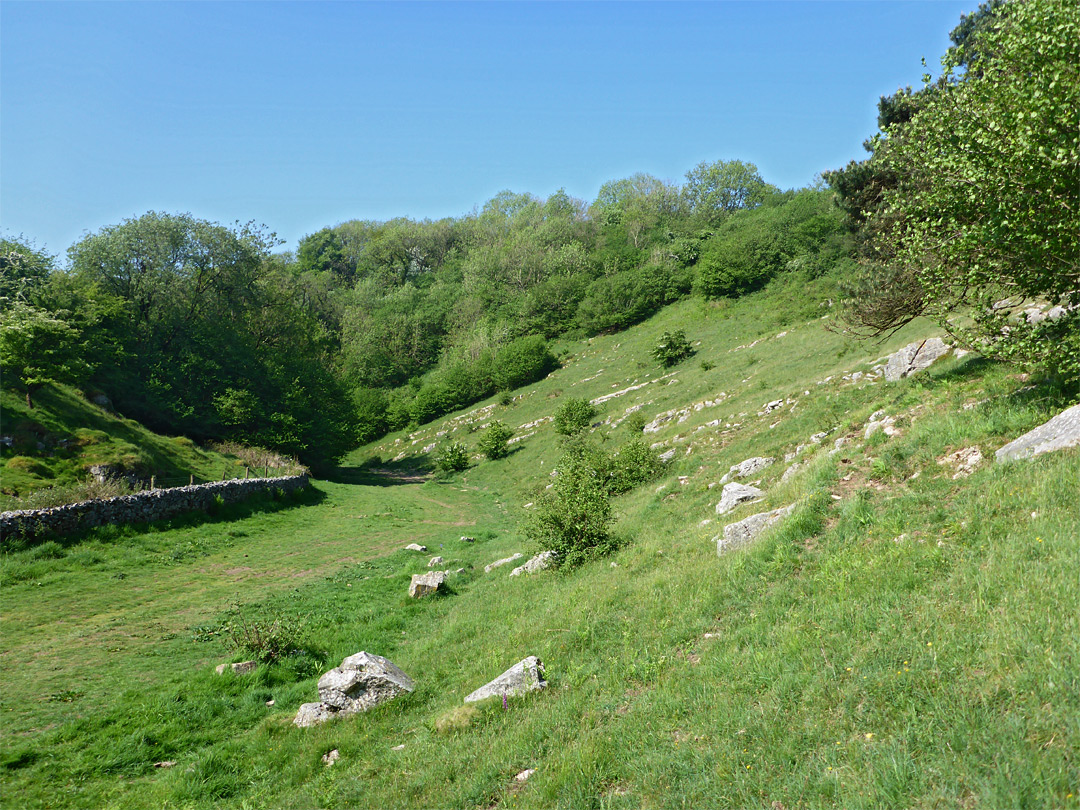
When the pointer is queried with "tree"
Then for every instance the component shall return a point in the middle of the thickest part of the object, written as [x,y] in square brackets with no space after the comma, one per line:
[23,269]
[38,347]
[986,208]
[323,252]
[714,190]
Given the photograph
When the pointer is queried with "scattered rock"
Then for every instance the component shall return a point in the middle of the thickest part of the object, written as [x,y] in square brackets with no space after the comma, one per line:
[361,682]
[737,535]
[524,775]
[435,561]
[817,438]
[465,539]
[1060,432]
[915,357]
[538,563]
[743,469]
[415,547]
[526,675]
[491,566]
[735,494]
[964,461]
[398,747]
[772,406]
[331,757]
[168,763]
[241,668]
[789,473]
[312,714]
[426,584]
[880,422]
[668,456]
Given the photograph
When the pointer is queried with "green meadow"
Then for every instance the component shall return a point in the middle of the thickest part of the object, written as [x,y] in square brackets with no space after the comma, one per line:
[906,638]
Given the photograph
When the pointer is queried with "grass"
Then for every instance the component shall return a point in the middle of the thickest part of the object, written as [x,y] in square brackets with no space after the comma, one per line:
[51,447]
[911,642]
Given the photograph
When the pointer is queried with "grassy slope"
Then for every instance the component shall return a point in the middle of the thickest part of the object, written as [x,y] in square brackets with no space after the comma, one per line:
[77,434]
[846,667]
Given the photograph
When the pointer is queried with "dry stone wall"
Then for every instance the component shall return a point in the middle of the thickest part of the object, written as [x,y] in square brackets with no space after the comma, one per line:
[140,507]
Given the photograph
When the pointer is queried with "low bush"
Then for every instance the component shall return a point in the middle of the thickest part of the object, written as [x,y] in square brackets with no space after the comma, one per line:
[452,458]
[672,348]
[493,441]
[574,416]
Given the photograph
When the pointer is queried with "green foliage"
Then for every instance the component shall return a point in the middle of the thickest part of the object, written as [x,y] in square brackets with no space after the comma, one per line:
[714,190]
[453,457]
[574,518]
[266,635]
[521,362]
[574,416]
[672,348]
[493,441]
[24,270]
[989,186]
[631,466]
[38,347]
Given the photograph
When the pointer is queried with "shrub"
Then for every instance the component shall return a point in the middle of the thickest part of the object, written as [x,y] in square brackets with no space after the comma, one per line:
[573,518]
[633,465]
[493,442]
[672,348]
[574,416]
[453,458]
[523,361]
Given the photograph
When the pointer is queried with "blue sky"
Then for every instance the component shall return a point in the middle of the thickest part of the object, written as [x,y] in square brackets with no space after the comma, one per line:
[303,115]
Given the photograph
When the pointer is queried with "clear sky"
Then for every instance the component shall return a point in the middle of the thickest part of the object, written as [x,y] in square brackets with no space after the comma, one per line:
[303,115]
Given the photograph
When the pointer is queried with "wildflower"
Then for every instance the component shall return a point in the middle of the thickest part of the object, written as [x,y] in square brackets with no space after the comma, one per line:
[869,735]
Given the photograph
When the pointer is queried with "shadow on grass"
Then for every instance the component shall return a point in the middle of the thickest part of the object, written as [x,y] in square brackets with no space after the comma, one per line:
[385,474]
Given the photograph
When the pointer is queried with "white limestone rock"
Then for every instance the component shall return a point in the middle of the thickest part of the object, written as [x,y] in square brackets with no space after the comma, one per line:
[527,675]
[738,535]
[1060,432]
[735,494]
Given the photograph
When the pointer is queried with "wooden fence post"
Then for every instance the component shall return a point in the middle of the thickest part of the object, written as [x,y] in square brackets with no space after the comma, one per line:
[191,480]
[153,482]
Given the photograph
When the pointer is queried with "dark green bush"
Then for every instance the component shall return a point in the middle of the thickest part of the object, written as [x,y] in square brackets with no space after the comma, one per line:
[672,348]
[573,518]
[521,362]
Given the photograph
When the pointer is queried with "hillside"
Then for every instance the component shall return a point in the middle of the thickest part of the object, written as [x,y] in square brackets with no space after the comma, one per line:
[907,637]
[47,452]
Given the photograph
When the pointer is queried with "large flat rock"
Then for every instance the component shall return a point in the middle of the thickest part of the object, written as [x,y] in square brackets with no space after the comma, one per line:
[1060,432]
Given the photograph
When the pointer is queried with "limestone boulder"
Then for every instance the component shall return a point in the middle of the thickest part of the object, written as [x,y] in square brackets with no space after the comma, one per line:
[426,584]
[915,357]
[415,547]
[545,559]
[1059,433]
[735,494]
[744,469]
[361,682]
[738,535]
[527,675]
